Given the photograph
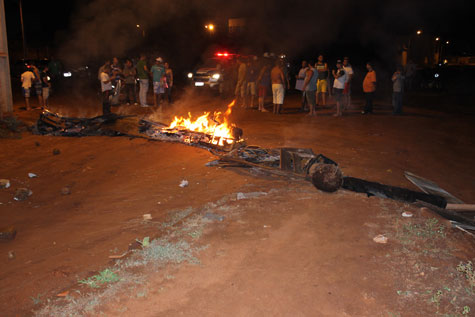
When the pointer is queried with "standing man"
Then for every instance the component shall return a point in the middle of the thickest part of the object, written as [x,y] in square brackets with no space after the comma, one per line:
[369,87]
[322,69]
[398,85]
[46,84]
[116,71]
[251,77]
[263,81]
[338,86]
[241,82]
[309,87]
[129,78]
[142,74]
[158,74]
[27,79]
[169,82]
[106,88]
[278,91]
[37,85]
[347,91]
[299,83]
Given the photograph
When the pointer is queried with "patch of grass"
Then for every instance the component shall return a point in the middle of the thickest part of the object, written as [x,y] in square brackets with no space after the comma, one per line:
[467,269]
[142,294]
[196,234]
[466,310]
[430,229]
[177,216]
[104,277]
[436,298]
[9,128]
[36,300]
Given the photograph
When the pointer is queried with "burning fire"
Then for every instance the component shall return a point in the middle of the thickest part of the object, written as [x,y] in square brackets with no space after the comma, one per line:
[219,131]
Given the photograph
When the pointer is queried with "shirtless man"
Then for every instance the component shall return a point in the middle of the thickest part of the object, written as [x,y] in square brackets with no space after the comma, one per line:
[278,81]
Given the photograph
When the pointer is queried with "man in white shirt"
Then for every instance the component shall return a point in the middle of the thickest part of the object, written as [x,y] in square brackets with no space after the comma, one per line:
[347,91]
[106,88]
[338,86]
[27,79]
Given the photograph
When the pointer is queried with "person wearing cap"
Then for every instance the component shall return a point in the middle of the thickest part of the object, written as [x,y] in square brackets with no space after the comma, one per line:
[347,91]
[27,79]
[338,86]
[369,87]
[158,73]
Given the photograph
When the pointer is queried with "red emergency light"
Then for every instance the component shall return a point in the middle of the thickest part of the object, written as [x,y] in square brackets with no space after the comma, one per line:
[222,54]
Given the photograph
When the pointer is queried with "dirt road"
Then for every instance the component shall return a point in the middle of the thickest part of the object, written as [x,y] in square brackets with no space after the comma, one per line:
[288,250]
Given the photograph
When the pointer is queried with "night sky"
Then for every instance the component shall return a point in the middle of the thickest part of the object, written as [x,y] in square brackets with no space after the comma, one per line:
[79,31]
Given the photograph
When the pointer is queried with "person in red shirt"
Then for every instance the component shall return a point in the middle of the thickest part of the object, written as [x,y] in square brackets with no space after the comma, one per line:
[369,87]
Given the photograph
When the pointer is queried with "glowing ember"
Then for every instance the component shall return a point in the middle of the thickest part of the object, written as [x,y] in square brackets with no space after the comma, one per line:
[219,129]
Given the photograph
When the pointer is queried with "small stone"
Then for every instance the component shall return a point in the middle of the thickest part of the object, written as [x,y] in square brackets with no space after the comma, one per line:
[7,233]
[4,183]
[66,190]
[37,143]
[22,194]
[56,152]
[11,255]
[32,175]
[380,239]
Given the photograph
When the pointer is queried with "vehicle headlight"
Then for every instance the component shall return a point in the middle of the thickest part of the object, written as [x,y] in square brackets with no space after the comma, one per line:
[190,75]
[216,76]
[67,74]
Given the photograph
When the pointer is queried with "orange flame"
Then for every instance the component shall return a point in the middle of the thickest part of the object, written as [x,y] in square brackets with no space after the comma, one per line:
[220,131]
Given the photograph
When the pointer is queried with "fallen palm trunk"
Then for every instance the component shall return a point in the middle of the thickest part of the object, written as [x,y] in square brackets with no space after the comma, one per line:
[448,214]
[392,192]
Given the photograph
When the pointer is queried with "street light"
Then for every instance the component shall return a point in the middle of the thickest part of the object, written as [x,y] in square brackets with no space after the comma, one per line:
[447,42]
[143,30]
[419,32]
[437,38]
[209,27]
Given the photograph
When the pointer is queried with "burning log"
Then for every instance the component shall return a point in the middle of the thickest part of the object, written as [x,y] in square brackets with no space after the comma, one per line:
[206,131]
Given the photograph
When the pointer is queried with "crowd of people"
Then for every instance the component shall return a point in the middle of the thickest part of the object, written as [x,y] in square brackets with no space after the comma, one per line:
[252,78]
[314,80]
[113,77]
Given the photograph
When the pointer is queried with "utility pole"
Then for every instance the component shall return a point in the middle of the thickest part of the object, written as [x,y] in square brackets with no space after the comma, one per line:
[22,31]
[6,104]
